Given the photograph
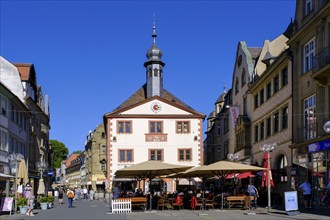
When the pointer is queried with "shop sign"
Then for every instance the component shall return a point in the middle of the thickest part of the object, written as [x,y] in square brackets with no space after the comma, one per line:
[319,146]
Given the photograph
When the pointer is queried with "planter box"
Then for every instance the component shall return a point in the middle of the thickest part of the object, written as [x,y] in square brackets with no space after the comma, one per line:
[23,209]
[44,205]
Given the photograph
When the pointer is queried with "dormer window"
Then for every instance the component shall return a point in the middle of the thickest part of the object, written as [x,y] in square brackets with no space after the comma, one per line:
[308,6]
[236,85]
[243,77]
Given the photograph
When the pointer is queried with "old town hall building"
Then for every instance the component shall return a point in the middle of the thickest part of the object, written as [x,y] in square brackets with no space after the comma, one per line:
[153,124]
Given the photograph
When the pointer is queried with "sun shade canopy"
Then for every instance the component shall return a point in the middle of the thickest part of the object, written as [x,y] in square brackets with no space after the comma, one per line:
[150,170]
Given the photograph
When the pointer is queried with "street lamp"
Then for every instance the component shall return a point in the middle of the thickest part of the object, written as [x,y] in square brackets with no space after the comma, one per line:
[326,127]
[15,158]
[234,157]
[41,166]
[268,148]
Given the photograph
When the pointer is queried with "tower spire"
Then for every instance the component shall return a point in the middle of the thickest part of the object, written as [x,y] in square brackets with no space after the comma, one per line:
[154,67]
[154,34]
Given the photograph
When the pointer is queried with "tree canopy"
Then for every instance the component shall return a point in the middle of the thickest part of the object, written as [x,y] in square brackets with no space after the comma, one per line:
[60,153]
[77,152]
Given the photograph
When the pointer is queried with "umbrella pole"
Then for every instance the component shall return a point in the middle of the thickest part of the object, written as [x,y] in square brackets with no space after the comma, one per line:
[203,187]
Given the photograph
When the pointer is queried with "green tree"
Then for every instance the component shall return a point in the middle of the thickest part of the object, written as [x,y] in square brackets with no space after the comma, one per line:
[60,153]
[77,152]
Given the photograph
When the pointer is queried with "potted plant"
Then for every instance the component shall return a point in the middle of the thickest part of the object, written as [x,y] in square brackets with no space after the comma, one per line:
[51,201]
[22,204]
[43,200]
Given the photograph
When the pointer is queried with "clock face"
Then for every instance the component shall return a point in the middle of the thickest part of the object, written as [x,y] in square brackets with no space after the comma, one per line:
[156,107]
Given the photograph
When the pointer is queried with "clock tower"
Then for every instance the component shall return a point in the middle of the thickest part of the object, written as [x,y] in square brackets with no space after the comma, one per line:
[154,68]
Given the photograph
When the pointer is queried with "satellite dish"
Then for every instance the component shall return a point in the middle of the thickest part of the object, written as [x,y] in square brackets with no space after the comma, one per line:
[326,127]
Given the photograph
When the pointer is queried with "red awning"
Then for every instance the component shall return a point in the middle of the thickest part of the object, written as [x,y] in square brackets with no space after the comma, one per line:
[240,175]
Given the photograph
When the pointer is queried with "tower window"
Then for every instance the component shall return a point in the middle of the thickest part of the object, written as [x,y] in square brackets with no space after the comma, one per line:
[156,72]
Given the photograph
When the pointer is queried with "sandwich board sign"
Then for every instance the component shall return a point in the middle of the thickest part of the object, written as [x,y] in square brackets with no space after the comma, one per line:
[291,203]
[7,204]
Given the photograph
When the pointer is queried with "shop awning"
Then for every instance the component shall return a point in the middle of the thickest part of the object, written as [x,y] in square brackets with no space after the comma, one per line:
[123,180]
[2,175]
[240,175]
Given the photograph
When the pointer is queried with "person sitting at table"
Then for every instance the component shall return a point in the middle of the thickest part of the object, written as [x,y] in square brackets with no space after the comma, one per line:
[193,201]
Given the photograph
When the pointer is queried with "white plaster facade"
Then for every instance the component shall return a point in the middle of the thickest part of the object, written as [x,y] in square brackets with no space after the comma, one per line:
[152,105]
[138,141]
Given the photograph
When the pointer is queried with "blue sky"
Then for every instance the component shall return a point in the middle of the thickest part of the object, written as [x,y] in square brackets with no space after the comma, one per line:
[89,55]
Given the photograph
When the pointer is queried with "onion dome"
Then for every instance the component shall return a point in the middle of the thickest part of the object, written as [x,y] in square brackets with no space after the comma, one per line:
[154,53]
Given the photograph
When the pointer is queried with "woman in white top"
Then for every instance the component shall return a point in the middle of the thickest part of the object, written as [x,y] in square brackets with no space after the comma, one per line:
[30,202]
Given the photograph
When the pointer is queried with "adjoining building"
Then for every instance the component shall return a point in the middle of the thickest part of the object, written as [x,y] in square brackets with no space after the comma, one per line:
[95,159]
[153,124]
[280,94]
[24,124]
[309,43]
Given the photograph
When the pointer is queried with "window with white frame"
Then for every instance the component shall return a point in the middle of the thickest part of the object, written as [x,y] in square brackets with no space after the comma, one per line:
[308,6]
[285,111]
[283,163]
[182,127]
[4,140]
[3,105]
[309,53]
[310,117]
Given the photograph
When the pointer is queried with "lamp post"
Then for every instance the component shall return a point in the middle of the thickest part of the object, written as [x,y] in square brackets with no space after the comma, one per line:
[234,157]
[326,127]
[15,158]
[268,148]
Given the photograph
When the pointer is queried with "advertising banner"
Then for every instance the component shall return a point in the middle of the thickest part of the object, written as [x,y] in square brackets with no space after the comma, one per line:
[233,115]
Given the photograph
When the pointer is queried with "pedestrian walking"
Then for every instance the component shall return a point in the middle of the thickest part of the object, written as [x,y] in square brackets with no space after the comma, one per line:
[60,195]
[30,202]
[327,195]
[85,193]
[70,195]
[91,194]
[307,193]
[251,191]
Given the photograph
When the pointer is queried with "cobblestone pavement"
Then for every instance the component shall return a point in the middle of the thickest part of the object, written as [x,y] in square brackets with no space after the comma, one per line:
[100,210]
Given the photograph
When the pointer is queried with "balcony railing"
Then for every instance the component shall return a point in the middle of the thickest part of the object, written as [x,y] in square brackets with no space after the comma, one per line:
[321,60]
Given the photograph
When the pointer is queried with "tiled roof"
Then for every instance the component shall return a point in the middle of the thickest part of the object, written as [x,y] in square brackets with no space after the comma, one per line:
[71,158]
[140,95]
[24,70]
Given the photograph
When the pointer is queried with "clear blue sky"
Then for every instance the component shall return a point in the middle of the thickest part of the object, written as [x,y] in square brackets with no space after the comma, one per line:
[89,55]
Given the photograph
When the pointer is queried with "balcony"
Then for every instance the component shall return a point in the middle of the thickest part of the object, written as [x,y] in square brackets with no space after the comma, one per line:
[321,60]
